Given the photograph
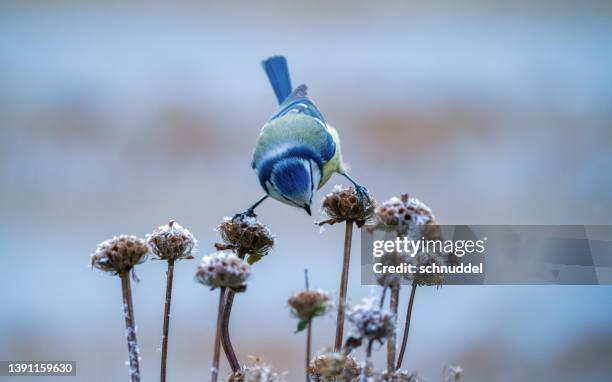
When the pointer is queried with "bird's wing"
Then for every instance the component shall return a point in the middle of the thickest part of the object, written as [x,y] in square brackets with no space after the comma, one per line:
[299,102]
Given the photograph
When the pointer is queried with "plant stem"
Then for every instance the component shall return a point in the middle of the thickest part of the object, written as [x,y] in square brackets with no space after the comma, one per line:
[128,312]
[164,346]
[308,331]
[391,342]
[217,346]
[348,236]
[407,326]
[225,338]
[308,347]
[366,367]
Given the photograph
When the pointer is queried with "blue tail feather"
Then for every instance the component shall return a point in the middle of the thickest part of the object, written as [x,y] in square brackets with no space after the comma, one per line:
[278,73]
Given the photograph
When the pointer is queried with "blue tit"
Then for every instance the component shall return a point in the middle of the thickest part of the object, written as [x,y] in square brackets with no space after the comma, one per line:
[297,151]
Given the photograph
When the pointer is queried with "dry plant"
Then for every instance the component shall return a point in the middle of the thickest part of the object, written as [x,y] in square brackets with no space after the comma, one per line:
[245,241]
[250,239]
[224,271]
[170,242]
[345,205]
[118,256]
[305,306]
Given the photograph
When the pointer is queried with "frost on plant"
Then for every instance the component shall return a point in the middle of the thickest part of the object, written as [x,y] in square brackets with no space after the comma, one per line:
[172,242]
[223,270]
[453,373]
[409,217]
[398,376]
[258,372]
[403,214]
[370,323]
[246,236]
[334,366]
[119,254]
[344,204]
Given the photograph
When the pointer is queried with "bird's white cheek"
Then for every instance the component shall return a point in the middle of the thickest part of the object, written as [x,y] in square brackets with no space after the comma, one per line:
[273,192]
[316,177]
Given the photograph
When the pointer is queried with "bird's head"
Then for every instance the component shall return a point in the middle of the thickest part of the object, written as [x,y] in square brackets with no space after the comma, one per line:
[293,180]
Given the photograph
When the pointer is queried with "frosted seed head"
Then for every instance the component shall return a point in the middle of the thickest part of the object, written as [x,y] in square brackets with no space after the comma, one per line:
[223,270]
[331,367]
[343,204]
[388,279]
[172,242]
[246,235]
[370,322]
[259,372]
[402,213]
[119,254]
[398,376]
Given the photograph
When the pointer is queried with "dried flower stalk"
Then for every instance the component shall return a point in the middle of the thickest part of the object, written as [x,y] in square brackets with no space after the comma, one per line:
[170,242]
[118,256]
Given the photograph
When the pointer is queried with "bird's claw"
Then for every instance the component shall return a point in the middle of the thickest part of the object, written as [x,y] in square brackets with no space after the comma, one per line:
[362,193]
[248,213]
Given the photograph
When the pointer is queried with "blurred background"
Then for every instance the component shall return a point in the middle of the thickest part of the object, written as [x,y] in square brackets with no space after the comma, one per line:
[115,118]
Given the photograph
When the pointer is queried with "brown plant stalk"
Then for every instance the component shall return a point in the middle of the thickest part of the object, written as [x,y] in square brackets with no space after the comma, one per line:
[166,328]
[128,311]
[348,236]
[308,347]
[406,326]
[217,346]
[391,341]
[308,330]
[225,336]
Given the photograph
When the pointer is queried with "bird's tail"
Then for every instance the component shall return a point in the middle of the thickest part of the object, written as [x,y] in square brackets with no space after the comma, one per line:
[278,73]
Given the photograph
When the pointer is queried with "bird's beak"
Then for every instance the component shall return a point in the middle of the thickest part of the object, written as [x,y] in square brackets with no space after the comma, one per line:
[307,209]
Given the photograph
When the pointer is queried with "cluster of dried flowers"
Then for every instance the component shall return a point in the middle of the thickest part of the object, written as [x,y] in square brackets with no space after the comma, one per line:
[245,241]
[402,216]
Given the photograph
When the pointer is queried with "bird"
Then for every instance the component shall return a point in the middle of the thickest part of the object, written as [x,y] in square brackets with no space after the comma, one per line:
[296,152]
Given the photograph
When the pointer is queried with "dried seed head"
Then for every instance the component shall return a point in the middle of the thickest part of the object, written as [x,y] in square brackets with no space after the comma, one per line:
[399,214]
[223,270]
[119,254]
[172,242]
[255,374]
[308,304]
[424,259]
[332,367]
[259,372]
[413,219]
[246,235]
[388,279]
[398,376]
[343,204]
[370,322]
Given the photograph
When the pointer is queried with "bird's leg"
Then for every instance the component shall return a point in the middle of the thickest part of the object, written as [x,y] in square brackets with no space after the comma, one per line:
[250,212]
[362,192]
